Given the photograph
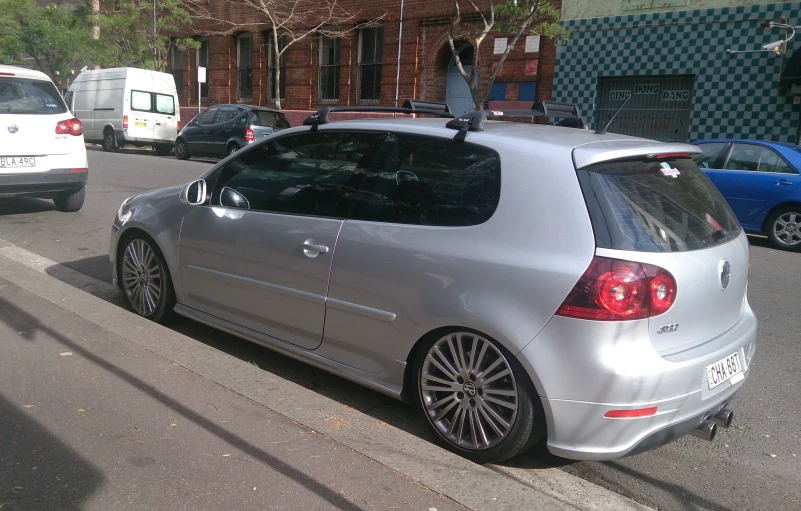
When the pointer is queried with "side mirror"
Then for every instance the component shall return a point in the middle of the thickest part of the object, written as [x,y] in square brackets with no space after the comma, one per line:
[194,193]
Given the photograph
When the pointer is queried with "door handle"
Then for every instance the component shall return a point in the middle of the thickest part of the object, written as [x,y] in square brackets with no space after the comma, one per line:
[312,248]
[158,124]
[782,182]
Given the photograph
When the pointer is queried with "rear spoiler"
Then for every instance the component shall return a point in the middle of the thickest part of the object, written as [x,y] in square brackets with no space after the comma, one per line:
[597,152]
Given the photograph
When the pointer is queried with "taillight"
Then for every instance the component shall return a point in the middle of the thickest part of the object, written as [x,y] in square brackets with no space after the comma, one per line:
[69,127]
[631,414]
[615,290]
[125,122]
[179,127]
[249,136]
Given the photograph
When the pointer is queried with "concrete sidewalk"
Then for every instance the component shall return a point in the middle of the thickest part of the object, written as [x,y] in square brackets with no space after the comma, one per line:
[140,416]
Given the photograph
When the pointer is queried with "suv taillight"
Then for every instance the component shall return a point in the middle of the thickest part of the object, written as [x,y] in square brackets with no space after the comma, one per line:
[615,290]
[249,136]
[125,122]
[69,127]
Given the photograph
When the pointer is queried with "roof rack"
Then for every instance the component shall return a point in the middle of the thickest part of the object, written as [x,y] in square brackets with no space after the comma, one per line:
[472,121]
[410,106]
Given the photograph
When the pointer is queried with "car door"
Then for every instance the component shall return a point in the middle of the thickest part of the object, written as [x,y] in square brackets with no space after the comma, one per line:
[222,129]
[259,255]
[753,178]
[196,137]
[141,126]
[165,117]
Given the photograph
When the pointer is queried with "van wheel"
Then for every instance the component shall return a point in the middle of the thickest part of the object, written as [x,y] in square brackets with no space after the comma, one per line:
[181,151]
[70,202]
[163,149]
[110,141]
[476,397]
[784,228]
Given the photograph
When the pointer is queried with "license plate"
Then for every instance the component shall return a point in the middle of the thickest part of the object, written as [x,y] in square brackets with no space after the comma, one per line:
[16,162]
[143,124]
[728,369]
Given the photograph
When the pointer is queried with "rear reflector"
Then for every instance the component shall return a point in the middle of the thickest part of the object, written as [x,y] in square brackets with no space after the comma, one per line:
[179,127]
[630,414]
[78,171]
[125,122]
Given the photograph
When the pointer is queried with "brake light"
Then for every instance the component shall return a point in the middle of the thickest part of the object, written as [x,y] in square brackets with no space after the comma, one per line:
[663,156]
[630,414]
[125,122]
[249,136]
[72,127]
[179,127]
[615,290]
[7,74]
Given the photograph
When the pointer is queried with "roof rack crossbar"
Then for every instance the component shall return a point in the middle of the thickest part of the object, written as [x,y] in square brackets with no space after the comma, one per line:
[410,106]
[473,121]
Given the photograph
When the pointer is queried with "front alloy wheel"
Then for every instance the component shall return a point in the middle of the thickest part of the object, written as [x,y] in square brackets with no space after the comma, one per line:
[471,395]
[145,280]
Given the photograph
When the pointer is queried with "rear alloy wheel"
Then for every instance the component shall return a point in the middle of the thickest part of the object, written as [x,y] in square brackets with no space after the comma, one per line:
[70,202]
[476,398]
[110,141]
[232,148]
[784,229]
[181,151]
[146,281]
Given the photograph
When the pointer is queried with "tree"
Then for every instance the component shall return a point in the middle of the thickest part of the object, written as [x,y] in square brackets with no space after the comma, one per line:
[290,21]
[508,17]
[136,33]
[56,38]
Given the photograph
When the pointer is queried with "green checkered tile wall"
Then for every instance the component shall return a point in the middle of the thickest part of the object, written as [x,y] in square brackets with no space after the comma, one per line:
[734,96]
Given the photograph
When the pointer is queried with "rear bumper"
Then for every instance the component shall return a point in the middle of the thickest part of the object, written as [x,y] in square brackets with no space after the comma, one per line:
[53,181]
[584,369]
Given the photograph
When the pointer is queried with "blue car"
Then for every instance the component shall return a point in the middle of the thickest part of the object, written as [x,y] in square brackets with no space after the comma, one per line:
[760,181]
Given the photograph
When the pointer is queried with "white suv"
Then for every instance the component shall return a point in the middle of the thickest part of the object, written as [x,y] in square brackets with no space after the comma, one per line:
[42,153]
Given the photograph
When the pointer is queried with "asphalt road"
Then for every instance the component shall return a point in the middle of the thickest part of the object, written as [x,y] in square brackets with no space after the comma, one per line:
[754,465]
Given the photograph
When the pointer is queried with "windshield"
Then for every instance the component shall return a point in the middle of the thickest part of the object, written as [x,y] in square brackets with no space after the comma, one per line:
[28,96]
[655,205]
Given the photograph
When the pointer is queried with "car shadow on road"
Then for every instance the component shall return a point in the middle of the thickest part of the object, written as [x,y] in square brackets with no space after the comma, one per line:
[37,469]
[10,206]
[150,152]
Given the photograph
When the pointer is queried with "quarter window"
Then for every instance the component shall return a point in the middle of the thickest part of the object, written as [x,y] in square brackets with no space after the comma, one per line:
[308,174]
[227,114]
[711,154]
[430,181]
[207,117]
[371,42]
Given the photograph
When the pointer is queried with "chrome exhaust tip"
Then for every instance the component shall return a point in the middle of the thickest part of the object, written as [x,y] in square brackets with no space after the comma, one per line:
[707,430]
[723,418]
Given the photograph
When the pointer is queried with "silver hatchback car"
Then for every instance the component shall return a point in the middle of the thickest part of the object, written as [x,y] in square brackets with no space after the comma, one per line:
[517,282]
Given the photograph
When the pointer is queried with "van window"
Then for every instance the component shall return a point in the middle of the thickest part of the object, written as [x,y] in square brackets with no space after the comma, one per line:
[165,104]
[141,101]
[28,96]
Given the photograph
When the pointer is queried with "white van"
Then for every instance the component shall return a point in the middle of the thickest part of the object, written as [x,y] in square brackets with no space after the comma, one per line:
[126,106]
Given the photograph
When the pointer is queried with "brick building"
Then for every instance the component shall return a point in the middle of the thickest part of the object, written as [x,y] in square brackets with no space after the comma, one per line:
[360,69]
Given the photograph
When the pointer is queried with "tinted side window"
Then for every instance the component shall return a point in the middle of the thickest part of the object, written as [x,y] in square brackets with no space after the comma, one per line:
[226,114]
[207,117]
[272,119]
[307,174]
[430,181]
[770,161]
[711,154]
[747,157]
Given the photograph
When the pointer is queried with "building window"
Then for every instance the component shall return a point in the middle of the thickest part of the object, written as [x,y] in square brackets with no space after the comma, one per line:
[272,68]
[177,67]
[371,42]
[329,68]
[244,67]
[203,61]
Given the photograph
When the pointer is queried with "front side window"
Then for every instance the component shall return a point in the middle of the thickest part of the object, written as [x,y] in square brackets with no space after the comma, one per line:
[244,79]
[329,68]
[165,104]
[371,42]
[307,174]
[207,117]
[712,152]
[142,101]
[27,96]
[430,181]
[273,69]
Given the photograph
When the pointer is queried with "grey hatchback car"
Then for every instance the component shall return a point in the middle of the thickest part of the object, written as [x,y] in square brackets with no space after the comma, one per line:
[516,282]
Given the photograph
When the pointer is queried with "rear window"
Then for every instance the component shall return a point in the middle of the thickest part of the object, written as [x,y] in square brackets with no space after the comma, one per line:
[28,96]
[655,205]
[165,104]
[269,119]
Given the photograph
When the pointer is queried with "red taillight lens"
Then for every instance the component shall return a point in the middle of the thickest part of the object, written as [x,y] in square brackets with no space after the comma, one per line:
[125,122]
[615,290]
[179,127]
[72,127]
[630,414]
[249,136]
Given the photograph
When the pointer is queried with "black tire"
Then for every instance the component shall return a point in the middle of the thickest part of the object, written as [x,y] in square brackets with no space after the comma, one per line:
[181,151]
[232,148]
[70,202]
[783,228]
[110,141]
[527,425]
[163,149]
[162,310]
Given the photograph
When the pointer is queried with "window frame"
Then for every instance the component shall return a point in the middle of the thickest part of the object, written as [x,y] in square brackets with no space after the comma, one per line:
[244,75]
[361,64]
[335,68]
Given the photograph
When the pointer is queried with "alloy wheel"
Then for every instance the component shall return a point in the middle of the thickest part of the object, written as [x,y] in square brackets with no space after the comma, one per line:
[142,277]
[468,390]
[787,228]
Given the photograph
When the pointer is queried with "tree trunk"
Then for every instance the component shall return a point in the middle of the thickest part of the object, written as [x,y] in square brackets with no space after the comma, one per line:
[277,64]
